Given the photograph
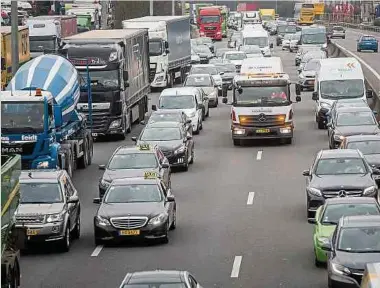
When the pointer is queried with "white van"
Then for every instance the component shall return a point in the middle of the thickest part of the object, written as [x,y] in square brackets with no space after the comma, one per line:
[259,38]
[337,78]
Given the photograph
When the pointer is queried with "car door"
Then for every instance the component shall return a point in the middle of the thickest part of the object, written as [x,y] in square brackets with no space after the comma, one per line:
[71,207]
[331,129]
[198,109]
[164,172]
[215,86]
[169,206]
[187,123]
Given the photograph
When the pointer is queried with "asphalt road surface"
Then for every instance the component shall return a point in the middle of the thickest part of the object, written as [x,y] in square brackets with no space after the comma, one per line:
[241,215]
[350,43]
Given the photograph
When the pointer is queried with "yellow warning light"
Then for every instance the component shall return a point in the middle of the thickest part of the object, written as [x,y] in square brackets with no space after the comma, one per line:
[38,92]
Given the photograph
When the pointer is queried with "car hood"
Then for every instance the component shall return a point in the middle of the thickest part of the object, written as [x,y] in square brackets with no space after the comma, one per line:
[110,175]
[228,75]
[165,145]
[337,182]
[373,159]
[308,73]
[136,209]
[188,112]
[357,130]
[236,62]
[326,231]
[41,209]
[204,55]
[356,260]
[208,90]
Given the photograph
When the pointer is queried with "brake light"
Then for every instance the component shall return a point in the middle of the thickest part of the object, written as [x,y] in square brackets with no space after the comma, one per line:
[290,114]
[233,115]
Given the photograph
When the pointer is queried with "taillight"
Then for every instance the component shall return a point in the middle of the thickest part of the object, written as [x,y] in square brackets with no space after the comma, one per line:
[290,114]
[233,115]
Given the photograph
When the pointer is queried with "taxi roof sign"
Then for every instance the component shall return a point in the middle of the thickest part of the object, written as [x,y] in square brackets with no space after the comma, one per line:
[150,175]
[144,147]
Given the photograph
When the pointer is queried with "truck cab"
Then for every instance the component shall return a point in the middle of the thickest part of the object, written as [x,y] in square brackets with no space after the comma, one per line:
[261,105]
[210,23]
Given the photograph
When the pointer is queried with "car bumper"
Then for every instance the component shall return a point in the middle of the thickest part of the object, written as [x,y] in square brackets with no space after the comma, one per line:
[176,160]
[110,233]
[367,47]
[338,35]
[244,132]
[204,61]
[45,233]
[307,83]
[341,281]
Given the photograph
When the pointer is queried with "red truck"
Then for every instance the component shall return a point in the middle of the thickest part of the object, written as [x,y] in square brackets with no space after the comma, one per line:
[242,7]
[210,23]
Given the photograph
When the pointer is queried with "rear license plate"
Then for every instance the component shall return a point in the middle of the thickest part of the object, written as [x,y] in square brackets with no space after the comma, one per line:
[129,232]
[94,134]
[32,232]
[261,131]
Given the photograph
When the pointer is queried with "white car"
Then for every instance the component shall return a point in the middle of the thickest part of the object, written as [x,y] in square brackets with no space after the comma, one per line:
[286,41]
[183,99]
[235,57]
[209,87]
[211,70]
[294,41]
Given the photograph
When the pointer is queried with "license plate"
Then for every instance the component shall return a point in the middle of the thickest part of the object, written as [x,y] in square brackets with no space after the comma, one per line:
[32,232]
[94,134]
[262,131]
[129,232]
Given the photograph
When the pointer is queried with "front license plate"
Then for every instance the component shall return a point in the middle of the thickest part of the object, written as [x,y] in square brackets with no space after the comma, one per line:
[94,134]
[261,131]
[32,232]
[376,177]
[129,232]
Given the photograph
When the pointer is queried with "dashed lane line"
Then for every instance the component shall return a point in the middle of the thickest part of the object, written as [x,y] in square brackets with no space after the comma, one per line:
[97,250]
[259,155]
[251,195]
[236,267]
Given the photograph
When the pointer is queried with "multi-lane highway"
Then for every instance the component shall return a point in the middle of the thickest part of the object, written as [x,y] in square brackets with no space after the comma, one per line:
[241,214]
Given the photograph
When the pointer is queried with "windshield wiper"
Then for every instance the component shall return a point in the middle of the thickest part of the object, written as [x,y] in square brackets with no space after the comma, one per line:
[329,222]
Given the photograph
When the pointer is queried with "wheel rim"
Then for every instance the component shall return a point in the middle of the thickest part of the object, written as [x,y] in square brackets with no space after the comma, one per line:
[175,217]
[78,226]
[68,236]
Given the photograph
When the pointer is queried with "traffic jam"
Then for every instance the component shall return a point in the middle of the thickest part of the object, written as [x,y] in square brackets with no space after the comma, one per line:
[138,102]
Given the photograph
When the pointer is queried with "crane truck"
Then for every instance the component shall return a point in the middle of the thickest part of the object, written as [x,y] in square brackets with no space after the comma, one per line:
[11,238]
[39,119]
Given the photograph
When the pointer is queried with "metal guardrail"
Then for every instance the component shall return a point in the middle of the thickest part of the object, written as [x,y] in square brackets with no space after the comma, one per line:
[364,27]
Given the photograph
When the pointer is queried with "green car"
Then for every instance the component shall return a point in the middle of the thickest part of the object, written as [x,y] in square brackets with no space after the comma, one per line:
[327,217]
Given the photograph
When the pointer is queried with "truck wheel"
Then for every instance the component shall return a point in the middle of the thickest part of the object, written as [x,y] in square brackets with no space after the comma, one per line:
[83,161]
[124,132]
[90,152]
[69,167]
[129,128]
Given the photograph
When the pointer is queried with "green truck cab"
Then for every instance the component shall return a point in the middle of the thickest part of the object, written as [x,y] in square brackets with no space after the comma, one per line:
[84,22]
[11,241]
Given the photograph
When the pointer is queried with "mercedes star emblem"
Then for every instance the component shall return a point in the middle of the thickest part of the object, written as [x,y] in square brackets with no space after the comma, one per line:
[342,194]
[262,117]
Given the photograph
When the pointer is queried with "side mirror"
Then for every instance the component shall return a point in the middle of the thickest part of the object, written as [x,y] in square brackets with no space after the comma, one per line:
[375,171]
[271,45]
[189,137]
[166,44]
[311,221]
[165,165]
[314,96]
[154,107]
[170,198]
[167,51]
[57,116]
[125,76]
[306,173]
[96,201]
[188,121]
[221,73]
[298,89]
[73,199]
[142,123]
[134,139]
[224,100]
[102,167]
[326,246]
[298,98]
[369,94]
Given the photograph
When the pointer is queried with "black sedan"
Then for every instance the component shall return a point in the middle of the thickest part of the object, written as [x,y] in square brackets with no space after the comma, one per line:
[176,143]
[355,242]
[127,162]
[170,116]
[160,278]
[351,121]
[135,208]
[338,173]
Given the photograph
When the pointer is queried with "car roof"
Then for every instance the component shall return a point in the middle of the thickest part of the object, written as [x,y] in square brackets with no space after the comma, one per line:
[199,75]
[38,176]
[131,150]
[154,276]
[167,111]
[360,221]
[134,181]
[350,101]
[234,52]
[167,124]
[339,153]
[202,65]
[359,138]
[350,200]
[348,109]
[179,91]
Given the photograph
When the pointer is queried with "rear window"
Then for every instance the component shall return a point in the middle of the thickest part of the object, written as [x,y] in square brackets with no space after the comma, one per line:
[338,28]
[368,38]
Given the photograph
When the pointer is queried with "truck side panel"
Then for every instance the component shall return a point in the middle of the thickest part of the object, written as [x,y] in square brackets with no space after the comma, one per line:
[179,42]
[68,27]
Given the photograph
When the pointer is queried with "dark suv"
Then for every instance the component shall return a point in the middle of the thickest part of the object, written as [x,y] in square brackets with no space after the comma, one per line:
[338,173]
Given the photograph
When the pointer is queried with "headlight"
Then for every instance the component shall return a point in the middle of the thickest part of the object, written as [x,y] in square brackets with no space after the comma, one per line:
[192,114]
[325,105]
[159,219]
[43,164]
[339,269]
[301,76]
[324,45]
[370,190]
[105,183]
[54,218]
[180,150]
[239,131]
[314,191]
[102,221]
[338,137]
[115,123]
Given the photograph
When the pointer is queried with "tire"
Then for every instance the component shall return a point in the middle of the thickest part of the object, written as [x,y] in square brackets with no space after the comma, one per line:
[83,161]
[76,232]
[220,93]
[192,156]
[174,223]
[321,126]
[287,141]
[129,129]
[344,37]
[171,80]
[203,115]
[225,91]
[317,263]
[98,241]
[201,126]
[358,50]
[375,51]
[90,153]
[124,133]
[196,132]
[165,240]
[186,165]
[208,112]
[237,142]
[217,102]
[66,241]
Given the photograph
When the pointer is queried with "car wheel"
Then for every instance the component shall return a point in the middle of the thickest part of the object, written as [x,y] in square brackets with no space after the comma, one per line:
[186,165]
[98,241]
[76,232]
[358,50]
[208,112]
[165,240]
[174,223]
[317,263]
[192,156]
[201,126]
[321,125]
[66,241]
[375,50]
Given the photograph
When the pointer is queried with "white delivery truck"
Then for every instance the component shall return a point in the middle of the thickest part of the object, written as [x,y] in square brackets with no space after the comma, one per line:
[261,105]
[169,47]
[259,38]
[251,17]
[337,78]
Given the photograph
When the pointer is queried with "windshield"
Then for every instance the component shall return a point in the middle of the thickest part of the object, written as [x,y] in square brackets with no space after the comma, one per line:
[133,161]
[177,102]
[198,81]
[133,194]
[311,66]
[201,49]
[335,89]
[318,38]
[355,119]
[235,56]
[204,40]
[368,38]
[226,68]
[156,285]
[338,28]
[360,240]
[262,96]
[102,79]
[23,117]
[340,166]
[250,49]
[165,117]
[288,37]
[366,147]
[266,18]
[41,45]
[259,41]
[161,134]
[204,70]
[209,19]
[155,48]
[287,29]
[312,55]
[334,212]
[39,193]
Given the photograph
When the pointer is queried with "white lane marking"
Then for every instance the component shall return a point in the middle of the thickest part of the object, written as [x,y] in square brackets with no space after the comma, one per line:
[236,267]
[251,195]
[259,155]
[97,251]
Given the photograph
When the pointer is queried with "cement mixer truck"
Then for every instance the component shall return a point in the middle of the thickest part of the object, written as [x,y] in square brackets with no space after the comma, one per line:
[39,119]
